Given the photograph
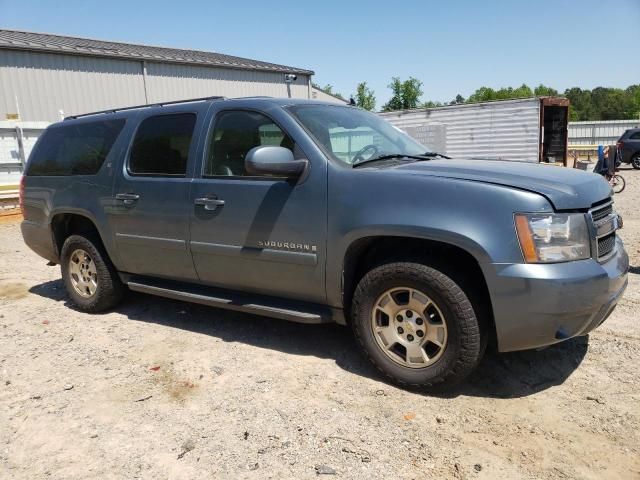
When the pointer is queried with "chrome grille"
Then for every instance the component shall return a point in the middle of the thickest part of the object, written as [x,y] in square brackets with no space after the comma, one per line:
[601,212]
[606,245]
[605,224]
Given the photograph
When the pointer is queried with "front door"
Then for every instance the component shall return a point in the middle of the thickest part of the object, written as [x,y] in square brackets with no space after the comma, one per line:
[259,234]
[151,213]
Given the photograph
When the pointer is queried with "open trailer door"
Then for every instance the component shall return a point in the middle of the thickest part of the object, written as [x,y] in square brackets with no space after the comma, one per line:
[554,118]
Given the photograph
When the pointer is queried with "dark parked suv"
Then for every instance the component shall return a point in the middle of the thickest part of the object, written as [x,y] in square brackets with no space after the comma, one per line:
[314,213]
[629,145]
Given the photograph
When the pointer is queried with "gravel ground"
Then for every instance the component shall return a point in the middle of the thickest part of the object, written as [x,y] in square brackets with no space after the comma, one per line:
[163,389]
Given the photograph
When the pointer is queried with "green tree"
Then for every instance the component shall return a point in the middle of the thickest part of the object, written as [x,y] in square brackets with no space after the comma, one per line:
[395,102]
[487,94]
[633,92]
[412,91]
[523,91]
[365,98]
[483,94]
[405,95]
[544,91]
[580,104]
[604,103]
[601,103]
[431,104]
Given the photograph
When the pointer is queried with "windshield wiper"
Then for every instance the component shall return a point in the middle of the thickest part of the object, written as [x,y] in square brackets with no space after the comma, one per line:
[434,154]
[420,158]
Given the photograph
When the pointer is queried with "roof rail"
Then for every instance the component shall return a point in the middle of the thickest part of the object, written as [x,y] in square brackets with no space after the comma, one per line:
[146,105]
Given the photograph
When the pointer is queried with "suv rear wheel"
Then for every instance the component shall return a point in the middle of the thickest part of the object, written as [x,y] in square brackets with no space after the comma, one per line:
[89,277]
[416,325]
[635,161]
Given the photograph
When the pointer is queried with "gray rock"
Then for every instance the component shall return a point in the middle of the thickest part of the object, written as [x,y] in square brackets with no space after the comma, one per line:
[325,470]
[187,446]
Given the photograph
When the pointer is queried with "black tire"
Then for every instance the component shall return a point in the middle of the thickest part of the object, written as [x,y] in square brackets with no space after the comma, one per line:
[635,161]
[466,340]
[109,290]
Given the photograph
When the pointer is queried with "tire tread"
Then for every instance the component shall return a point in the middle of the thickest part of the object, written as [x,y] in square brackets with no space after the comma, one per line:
[471,345]
[110,289]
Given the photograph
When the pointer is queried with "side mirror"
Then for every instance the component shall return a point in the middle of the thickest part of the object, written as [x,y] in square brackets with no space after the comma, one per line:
[274,161]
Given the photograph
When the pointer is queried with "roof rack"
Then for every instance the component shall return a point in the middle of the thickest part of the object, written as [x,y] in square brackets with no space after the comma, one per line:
[146,105]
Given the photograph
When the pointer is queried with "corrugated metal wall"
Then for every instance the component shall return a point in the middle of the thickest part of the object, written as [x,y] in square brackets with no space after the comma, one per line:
[508,130]
[318,94]
[597,133]
[46,83]
[167,82]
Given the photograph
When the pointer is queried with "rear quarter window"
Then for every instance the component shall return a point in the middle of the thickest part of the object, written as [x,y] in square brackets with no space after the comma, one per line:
[78,149]
[161,145]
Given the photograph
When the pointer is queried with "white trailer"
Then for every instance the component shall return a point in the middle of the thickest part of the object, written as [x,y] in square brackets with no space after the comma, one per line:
[16,141]
[526,130]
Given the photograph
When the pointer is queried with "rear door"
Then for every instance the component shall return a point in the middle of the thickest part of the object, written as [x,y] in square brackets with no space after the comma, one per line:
[258,234]
[151,196]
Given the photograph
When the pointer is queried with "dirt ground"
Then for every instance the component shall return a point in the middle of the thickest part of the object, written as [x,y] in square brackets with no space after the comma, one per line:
[163,389]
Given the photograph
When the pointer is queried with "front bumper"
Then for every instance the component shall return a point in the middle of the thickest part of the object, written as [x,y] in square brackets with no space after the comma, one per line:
[539,305]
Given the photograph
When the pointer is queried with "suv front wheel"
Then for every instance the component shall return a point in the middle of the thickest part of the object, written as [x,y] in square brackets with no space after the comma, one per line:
[89,277]
[416,325]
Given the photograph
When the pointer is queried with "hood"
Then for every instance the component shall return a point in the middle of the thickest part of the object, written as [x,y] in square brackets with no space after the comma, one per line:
[565,188]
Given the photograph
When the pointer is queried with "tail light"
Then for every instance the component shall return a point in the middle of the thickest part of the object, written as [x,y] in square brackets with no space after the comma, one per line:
[620,144]
[21,200]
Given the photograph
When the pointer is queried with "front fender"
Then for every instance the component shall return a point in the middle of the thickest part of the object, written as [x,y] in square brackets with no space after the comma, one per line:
[474,216]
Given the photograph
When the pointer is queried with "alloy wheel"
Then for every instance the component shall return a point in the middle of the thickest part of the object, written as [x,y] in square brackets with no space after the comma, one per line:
[409,327]
[83,273]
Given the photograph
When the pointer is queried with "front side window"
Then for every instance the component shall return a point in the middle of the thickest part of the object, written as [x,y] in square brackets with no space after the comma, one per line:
[234,134]
[78,149]
[161,145]
[350,135]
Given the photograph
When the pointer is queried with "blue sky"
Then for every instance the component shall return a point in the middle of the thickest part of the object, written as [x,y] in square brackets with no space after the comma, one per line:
[453,47]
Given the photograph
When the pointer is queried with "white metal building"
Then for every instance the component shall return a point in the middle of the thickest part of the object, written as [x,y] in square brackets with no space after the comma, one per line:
[45,77]
[43,74]
[318,94]
[528,129]
[605,132]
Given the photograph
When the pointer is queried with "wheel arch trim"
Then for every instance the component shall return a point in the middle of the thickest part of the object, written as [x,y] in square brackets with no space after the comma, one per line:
[105,237]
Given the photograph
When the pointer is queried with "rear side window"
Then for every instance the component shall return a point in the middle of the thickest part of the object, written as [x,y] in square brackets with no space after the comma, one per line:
[161,145]
[74,149]
[635,136]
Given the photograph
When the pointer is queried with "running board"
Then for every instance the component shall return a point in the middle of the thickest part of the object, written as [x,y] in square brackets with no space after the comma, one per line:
[258,305]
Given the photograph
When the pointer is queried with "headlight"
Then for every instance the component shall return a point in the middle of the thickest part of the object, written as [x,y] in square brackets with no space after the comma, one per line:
[551,238]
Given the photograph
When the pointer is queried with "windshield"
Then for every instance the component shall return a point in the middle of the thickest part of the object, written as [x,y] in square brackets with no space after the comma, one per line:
[351,135]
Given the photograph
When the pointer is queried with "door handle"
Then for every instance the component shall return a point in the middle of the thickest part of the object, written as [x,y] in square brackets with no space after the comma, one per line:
[209,203]
[127,198]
